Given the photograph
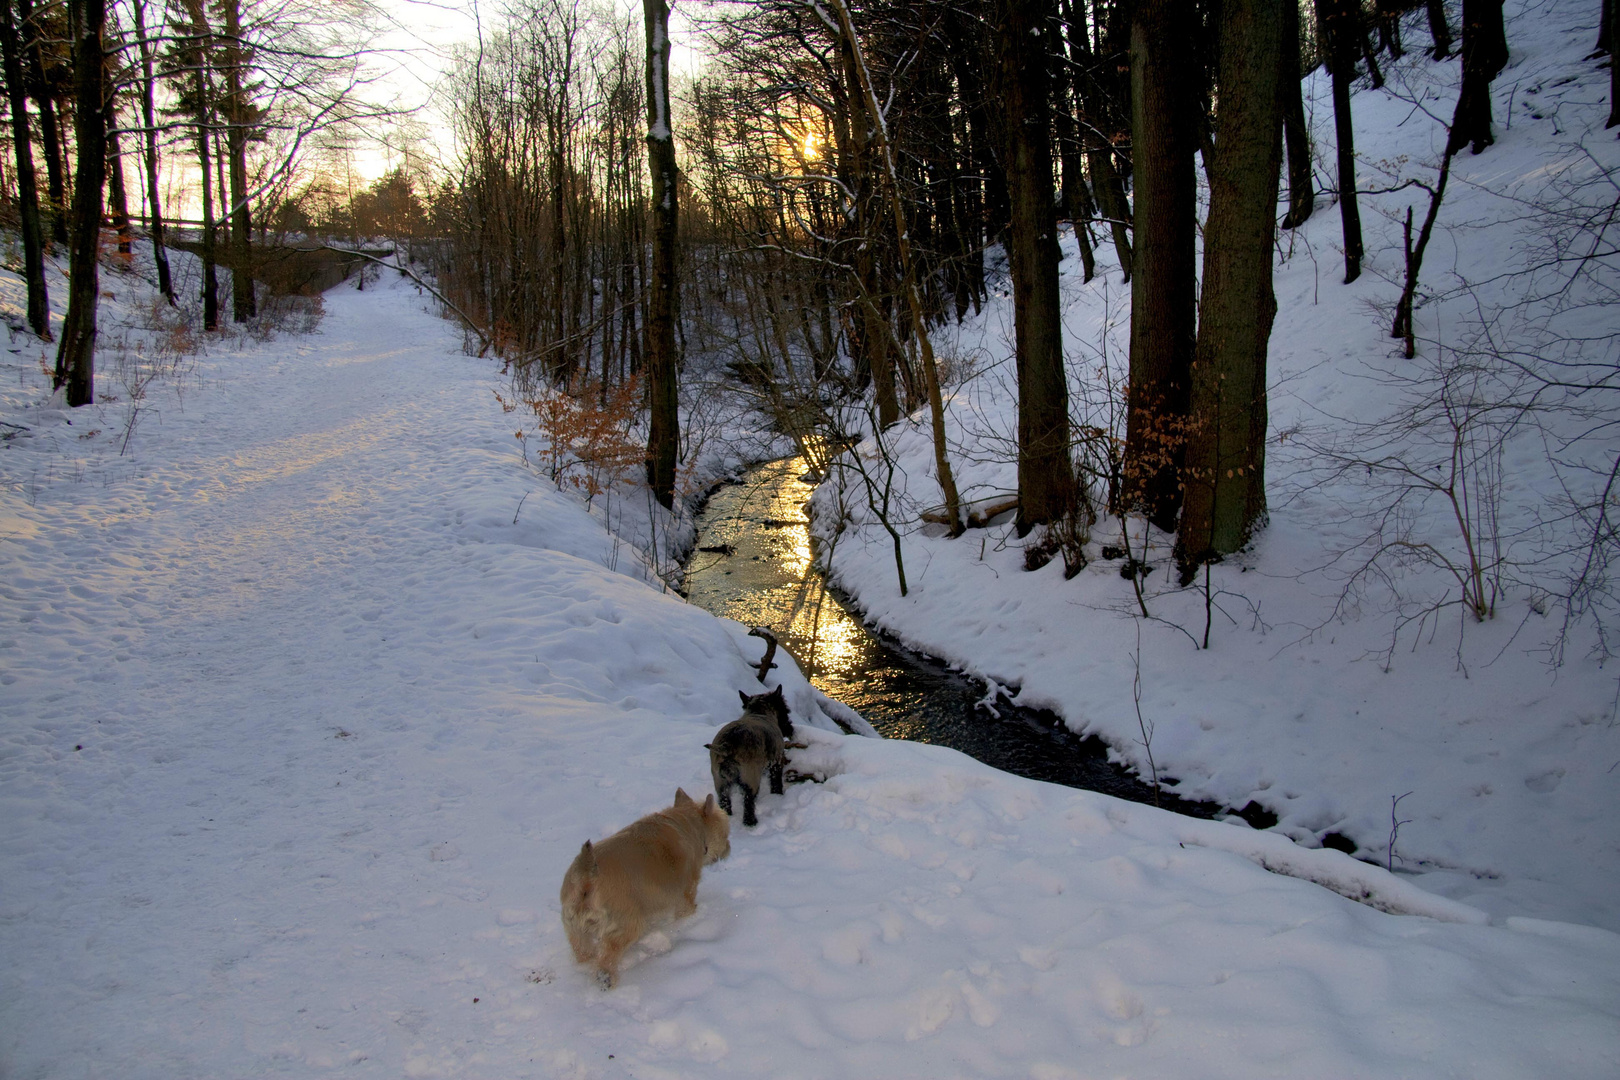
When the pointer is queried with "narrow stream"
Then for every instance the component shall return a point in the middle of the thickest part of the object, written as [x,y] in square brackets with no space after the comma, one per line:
[757,570]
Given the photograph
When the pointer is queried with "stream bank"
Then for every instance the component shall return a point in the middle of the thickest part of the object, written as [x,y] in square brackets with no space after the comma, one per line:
[754,564]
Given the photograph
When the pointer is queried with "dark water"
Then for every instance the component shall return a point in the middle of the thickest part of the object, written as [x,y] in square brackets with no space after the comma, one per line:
[763,577]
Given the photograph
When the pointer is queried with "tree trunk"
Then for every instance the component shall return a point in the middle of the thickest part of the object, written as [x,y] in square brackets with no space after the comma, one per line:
[1340,26]
[49,134]
[1224,474]
[1614,68]
[908,280]
[117,194]
[1484,55]
[1439,29]
[1163,289]
[75,357]
[1301,189]
[664,423]
[243,302]
[874,337]
[1045,477]
[1101,127]
[160,254]
[33,235]
[210,286]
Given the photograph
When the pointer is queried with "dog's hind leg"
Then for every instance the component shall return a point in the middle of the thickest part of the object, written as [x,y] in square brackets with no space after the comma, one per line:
[776,777]
[725,775]
[749,794]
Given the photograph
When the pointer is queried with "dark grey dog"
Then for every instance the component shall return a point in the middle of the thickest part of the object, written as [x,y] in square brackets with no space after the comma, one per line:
[747,747]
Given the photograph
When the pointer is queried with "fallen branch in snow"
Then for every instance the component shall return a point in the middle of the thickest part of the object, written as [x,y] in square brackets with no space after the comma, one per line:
[770,651]
[979,512]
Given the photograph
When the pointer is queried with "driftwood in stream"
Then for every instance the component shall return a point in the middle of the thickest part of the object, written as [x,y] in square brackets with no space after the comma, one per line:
[770,650]
[979,511]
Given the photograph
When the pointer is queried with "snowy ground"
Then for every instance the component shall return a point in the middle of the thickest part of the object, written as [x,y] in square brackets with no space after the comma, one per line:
[301,729]
[310,690]
[1315,700]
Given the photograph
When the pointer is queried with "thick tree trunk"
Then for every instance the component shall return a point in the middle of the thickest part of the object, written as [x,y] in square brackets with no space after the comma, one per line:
[664,422]
[1045,477]
[160,253]
[1163,290]
[1340,27]
[244,305]
[1484,55]
[1301,190]
[33,235]
[75,357]
[1224,472]
[49,134]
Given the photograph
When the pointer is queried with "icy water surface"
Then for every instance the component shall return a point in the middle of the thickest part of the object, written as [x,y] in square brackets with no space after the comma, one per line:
[761,575]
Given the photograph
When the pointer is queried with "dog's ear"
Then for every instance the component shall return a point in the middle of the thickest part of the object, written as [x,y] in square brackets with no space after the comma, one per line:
[588,855]
[744,698]
[708,806]
[776,695]
[682,798]
[708,746]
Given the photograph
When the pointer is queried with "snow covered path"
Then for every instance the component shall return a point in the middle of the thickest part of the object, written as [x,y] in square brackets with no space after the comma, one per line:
[298,732]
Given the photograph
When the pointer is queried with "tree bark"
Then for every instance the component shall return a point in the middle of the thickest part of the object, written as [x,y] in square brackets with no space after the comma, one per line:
[1484,55]
[1339,22]
[75,356]
[33,235]
[1045,477]
[160,254]
[1224,473]
[659,322]
[1163,289]
[1301,189]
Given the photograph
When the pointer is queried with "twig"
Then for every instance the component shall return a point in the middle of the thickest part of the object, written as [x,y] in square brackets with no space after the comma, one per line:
[1394,830]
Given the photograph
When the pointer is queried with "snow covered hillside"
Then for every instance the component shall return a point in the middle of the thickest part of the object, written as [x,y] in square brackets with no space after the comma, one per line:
[1341,672]
[303,720]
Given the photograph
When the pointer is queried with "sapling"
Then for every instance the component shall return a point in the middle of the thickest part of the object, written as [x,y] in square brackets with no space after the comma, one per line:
[1394,830]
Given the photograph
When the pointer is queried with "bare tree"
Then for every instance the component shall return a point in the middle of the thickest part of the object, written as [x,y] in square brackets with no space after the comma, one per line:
[33,236]
[75,357]
[663,436]
[1224,475]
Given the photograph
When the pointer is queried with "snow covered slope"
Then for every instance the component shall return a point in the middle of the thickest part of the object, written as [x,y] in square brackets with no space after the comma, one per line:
[299,730]
[1326,692]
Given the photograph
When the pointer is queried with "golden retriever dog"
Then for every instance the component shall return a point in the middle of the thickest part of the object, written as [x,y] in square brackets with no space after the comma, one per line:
[750,747]
[643,875]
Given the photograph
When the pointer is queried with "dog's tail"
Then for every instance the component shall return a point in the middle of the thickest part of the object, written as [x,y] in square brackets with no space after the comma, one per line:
[727,773]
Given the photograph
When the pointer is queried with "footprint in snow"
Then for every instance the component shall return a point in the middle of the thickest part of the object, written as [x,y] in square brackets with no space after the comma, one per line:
[1543,783]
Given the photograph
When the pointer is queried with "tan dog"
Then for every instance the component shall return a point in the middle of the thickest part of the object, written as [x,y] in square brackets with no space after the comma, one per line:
[642,875]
